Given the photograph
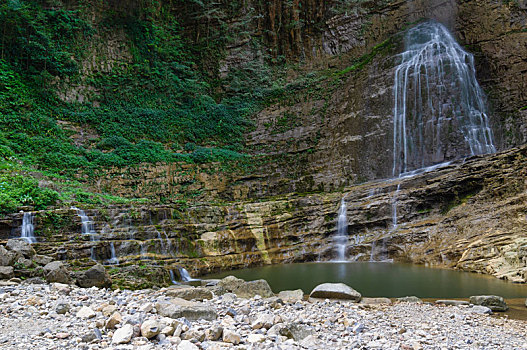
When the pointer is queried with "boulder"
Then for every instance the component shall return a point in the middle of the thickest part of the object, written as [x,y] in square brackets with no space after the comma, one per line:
[96,276]
[20,246]
[191,313]
[214,333]
[253,288]
[335,291]
[493,302]
[6,272]
[56,272]
[123,335]
[42,259]
[230,283]
[199,293]
[7,258]
[291,296]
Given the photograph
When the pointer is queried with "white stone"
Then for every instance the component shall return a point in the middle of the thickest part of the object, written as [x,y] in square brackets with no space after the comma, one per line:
[86,312]
[231,337]
[186,345]
[255,338]
[123,335]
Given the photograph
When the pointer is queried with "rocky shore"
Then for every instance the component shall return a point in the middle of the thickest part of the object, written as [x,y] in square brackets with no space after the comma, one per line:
[232,313]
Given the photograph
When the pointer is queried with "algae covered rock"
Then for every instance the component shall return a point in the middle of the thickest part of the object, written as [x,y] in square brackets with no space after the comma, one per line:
[335,291]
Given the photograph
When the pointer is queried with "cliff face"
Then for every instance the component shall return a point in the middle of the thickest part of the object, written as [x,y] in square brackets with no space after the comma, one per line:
[467,215]
[328,133]
[333,124]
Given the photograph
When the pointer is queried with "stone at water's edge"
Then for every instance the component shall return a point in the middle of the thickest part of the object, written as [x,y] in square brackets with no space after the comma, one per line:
[244,289]
[452,302]
[335,291]
[94,277]
[291,296]
[376,301]
[410,299]
[493,302]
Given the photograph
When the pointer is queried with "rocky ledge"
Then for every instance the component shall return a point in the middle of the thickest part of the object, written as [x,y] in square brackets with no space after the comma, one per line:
[232,313]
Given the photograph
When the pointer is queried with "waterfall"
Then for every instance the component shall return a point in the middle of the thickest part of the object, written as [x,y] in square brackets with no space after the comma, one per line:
[341,239]
[87,229]
[173,277]
[113,258]
[27,231]
[185,276]
[439,108]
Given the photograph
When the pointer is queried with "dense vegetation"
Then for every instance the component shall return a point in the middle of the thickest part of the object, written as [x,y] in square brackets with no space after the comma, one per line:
[157,106]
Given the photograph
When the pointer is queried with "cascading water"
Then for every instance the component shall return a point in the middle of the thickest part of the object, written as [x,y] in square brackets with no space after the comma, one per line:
[439,108]
[113,257]
[27,230]
[88,229]
[185,276]
[341,239]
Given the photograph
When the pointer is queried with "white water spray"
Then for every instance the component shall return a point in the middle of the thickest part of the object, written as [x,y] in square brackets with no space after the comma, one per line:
[341,238]
[439,108]
[27,230]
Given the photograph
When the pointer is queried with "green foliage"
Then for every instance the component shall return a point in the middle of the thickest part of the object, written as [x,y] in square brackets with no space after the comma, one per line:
[17,190]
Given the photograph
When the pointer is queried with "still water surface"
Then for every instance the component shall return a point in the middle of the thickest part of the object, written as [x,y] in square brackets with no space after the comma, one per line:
[375,279]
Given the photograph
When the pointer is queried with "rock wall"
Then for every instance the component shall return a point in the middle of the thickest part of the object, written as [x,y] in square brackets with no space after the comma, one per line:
[469,215]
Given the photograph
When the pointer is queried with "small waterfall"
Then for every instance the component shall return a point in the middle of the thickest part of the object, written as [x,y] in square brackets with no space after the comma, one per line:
[341,238]
[88,229]
[27,230]
[185,276]
[113,258]
[439,108]
[173,277]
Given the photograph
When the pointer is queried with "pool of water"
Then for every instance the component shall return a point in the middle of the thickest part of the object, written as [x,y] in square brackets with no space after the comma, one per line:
[376,279]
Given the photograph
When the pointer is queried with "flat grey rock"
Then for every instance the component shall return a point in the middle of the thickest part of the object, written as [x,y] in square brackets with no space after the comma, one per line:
[335,291]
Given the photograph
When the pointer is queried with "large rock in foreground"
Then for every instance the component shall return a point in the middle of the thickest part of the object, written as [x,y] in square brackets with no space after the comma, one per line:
[94,277]
[335,291]
[493,302]
[56,272]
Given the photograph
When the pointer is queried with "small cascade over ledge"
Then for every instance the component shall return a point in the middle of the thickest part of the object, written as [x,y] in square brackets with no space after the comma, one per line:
[27,230]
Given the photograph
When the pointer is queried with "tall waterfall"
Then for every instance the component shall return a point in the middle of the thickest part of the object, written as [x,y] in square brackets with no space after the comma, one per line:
[27,230]
[341,238]
[439,109]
